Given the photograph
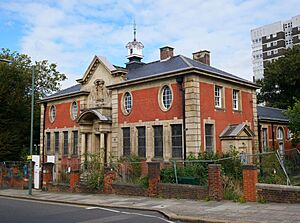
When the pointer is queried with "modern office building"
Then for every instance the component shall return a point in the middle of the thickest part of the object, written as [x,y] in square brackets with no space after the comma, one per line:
[270,41]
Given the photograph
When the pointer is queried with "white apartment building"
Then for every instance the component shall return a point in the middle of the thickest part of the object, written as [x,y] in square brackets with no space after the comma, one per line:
[270,41]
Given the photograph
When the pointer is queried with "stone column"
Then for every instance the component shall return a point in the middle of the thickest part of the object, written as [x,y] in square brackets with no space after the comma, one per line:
[215,189]
[192,114]
[101,146]
[249,182]
[154,178]
[109,177]
[83,147]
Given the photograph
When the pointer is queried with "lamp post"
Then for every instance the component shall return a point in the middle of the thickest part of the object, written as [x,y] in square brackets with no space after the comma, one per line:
[31,132]
[31,128]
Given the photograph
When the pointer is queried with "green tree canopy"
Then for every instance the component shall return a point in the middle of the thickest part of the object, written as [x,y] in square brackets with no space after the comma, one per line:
[281,82]
[15,98]
[294,121]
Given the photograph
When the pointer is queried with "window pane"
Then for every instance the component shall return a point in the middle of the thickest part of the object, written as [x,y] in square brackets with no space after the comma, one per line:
[209,138]
[158,141]
[66,143]
[48,142]
[141,141]
[167,97]
[56,141]
[126,141]
[176,141]
[75,143]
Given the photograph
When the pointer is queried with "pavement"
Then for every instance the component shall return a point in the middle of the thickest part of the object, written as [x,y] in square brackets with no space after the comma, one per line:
[174,209]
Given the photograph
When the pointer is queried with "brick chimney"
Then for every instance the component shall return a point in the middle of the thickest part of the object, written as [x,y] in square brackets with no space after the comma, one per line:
[166,52]
[202,56]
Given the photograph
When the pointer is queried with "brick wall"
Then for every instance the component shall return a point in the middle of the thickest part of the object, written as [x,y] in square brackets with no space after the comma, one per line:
[278,193]
[181,191]
[129,189]
[215,188]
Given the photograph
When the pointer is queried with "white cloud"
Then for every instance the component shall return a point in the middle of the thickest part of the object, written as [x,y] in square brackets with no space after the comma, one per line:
[70,32]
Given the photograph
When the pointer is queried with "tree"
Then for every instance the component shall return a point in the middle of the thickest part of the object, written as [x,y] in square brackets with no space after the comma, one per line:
[294,121]
[280,85]
[15,99]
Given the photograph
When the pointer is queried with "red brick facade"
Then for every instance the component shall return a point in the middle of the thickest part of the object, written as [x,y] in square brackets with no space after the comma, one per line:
[146,106]
[63,117]
[226,115]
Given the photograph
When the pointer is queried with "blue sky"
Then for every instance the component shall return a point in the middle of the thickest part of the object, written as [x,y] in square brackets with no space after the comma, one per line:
[70,32]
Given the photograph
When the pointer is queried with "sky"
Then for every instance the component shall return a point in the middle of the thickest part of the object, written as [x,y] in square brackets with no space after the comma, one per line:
[70,32]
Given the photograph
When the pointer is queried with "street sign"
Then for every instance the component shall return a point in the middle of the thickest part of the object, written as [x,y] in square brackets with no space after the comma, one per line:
[29,157]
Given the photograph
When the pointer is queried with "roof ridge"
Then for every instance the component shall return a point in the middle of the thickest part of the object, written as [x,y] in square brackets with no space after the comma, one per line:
[185,60]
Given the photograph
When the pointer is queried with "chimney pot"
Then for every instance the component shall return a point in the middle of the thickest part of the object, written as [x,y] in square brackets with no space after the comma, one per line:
[166,52]
[203,56]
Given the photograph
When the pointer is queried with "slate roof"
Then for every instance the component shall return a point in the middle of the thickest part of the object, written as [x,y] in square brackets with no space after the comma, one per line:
[271,114]
[70,90]
[176,63]
[234,130]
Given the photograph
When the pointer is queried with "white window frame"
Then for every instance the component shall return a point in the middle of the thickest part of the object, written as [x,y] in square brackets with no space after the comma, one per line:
[218,96]
[235,99]
[52,113]
[127,102]
[280,133]
[166,97]
[275,43]
[74,110]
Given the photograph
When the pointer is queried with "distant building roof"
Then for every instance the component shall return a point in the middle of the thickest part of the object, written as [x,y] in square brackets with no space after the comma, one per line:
[271,114]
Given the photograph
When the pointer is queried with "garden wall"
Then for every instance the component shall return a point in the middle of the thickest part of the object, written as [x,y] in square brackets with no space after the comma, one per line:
[278,193]
[129,189]
[181,191]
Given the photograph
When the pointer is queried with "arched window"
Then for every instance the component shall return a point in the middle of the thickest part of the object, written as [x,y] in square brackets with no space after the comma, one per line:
[74,110]
[167,97]
[52,113]
[280,133]
[127,102]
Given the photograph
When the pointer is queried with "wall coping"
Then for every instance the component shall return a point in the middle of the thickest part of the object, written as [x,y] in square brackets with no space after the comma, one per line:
[249,167]
[278,187]
[126,184]
[184,185]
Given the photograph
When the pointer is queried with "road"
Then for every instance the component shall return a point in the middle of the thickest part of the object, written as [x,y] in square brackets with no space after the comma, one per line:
[20,211]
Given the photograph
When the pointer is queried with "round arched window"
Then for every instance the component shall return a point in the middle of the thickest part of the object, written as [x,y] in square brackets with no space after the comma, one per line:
[74,110]
[279,133]
[167,97]
[127,102]
[52,113]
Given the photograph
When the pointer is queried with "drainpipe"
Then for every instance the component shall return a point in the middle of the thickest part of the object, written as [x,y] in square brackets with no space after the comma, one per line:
[273,141]
[43,150]
[179,80]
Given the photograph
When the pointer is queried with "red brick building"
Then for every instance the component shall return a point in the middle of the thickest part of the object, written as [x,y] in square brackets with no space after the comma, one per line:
[162,110]
[273,130]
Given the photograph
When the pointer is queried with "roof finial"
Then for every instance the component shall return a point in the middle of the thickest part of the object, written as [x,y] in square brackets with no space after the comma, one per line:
[134,30]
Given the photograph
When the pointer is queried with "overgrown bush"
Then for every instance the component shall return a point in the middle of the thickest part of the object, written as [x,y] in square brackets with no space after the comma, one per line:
[270,170]
[94,172]
[198,167]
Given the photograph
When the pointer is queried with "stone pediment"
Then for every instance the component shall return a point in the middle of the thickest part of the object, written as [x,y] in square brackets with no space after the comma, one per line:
[97,61]
[236,131]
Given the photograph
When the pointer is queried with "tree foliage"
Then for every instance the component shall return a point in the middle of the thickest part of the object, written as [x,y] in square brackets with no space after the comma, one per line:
[15,98]
[281,82]
[294,121]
